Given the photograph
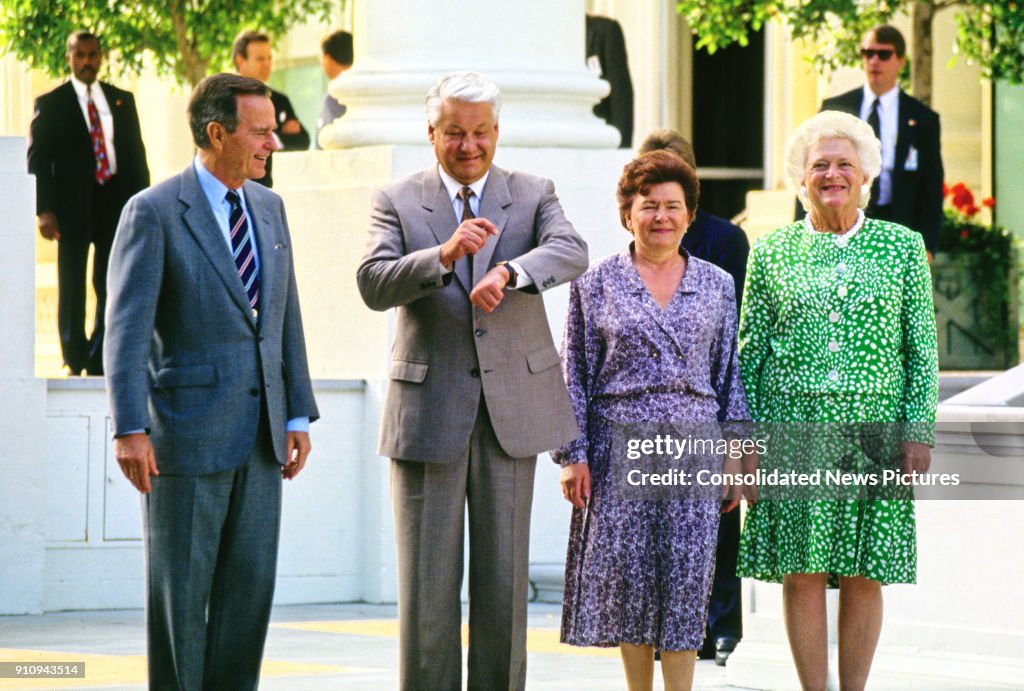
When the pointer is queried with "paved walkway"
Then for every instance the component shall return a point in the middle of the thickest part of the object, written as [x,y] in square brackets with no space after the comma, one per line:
[309,647]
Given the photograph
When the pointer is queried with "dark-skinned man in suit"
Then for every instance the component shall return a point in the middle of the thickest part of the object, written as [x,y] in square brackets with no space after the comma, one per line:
[86,152]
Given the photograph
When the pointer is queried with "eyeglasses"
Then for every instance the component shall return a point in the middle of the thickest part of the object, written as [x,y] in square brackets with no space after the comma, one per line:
[882,54]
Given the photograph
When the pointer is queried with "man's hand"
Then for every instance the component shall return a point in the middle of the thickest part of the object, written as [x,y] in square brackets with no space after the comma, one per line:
[468,238]
[298,448]
[291,127]
[47,222]
[134,453]
[488,293]
[576,484]
[916,457]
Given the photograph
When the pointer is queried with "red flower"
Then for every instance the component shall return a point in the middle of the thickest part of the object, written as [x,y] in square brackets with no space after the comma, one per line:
[963,234]
[962,198]
[971,211]
[945,190]
[989,202]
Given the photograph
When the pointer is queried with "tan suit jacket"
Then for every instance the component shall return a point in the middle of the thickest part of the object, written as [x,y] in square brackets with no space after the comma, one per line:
[447,354]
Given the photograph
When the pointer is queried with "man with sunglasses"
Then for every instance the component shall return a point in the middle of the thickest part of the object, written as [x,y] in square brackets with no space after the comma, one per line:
[909,189]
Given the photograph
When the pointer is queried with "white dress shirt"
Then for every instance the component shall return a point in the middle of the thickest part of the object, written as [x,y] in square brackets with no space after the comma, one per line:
[106,116]
[888,120]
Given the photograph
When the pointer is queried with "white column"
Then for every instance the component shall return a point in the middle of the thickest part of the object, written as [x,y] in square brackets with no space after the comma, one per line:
[23,412]
[533,50]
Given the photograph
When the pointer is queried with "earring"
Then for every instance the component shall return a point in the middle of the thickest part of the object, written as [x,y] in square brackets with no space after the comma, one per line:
[803,190]
[865,188]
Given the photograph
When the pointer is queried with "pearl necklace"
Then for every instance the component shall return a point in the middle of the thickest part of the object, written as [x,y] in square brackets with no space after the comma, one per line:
[841,239]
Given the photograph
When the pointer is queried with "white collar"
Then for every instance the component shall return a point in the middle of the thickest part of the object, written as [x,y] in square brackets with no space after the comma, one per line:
[887,100]
[82,89]
[453,186]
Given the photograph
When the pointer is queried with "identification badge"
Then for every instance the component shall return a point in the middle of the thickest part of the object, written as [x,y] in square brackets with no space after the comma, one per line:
[911,162]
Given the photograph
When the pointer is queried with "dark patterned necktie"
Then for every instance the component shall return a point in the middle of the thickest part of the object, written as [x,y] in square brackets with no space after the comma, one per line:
[875,121]
[876,125]
[99,145]
[465,194]
[242,250]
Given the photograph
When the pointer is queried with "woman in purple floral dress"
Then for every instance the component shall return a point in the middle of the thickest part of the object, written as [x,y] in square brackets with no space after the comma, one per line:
[650,338]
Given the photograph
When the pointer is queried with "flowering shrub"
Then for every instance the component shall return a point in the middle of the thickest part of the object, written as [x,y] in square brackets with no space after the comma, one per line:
[989,256]
[960,201]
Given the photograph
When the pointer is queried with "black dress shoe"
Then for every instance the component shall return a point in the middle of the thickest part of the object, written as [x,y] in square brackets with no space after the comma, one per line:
[707,650]
[723,648]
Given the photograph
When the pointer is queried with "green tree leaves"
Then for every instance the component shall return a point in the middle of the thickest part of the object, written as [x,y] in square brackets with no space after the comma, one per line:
[185,39]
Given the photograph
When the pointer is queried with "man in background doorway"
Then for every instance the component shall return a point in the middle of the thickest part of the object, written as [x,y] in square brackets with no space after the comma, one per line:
[335,58]
[253,58]
[606,57]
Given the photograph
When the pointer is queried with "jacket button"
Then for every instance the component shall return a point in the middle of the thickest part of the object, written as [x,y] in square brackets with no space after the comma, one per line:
[254,392]
[480,332]
[475,373]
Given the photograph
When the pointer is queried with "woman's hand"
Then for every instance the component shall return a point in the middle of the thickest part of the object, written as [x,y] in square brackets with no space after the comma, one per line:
[732,489]
[576,484]
[751,462]
[916,457]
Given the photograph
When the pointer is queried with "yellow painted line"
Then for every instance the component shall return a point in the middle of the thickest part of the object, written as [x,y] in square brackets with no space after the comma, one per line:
[537,640]
[118,670]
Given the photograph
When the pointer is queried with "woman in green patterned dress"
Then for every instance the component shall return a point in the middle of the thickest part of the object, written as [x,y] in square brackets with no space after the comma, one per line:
[838,328]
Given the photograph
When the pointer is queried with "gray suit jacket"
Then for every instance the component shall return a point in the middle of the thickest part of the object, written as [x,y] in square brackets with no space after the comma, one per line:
[446,352]
[184,357]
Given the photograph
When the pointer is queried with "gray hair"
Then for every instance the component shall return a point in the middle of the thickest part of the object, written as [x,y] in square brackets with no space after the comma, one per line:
[468,87]
[215,99]
[833,124]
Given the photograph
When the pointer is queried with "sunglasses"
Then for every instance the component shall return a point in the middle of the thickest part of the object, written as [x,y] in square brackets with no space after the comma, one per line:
[882,54]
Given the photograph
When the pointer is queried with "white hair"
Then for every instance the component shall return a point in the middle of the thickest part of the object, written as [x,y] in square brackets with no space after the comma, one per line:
[833,124]
[468,87]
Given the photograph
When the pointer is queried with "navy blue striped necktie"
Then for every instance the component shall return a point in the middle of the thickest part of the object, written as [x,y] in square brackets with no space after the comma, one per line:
[242,250]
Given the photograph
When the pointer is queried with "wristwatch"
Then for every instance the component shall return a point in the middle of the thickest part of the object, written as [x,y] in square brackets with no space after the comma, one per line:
[513,275]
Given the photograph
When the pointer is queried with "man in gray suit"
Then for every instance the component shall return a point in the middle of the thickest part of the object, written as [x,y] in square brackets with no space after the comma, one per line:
[209,389]
[475,390]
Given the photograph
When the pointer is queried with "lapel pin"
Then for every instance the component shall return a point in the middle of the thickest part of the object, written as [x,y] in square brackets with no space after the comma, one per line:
[911,122]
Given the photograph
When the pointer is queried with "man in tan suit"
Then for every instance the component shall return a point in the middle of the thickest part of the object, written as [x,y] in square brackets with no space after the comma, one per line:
[475,390]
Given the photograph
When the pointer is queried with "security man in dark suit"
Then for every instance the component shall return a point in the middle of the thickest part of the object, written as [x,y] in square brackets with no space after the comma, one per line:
[86,152]
[253,58]
[909,189]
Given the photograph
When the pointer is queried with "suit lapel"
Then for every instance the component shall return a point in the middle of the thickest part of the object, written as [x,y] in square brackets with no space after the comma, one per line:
[493,202]
[851,101]
[200,221]
[116,108]
[441,219]
[904,136]
[263,230]
[74,111]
